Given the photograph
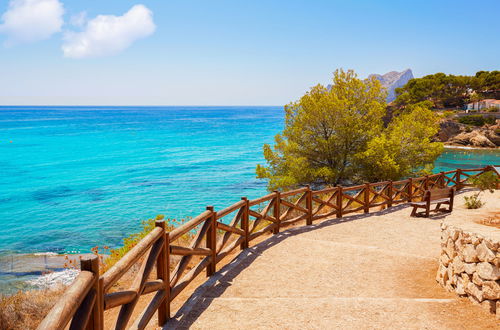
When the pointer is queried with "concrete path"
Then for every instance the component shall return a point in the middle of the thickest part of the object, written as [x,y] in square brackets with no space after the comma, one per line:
[362,272]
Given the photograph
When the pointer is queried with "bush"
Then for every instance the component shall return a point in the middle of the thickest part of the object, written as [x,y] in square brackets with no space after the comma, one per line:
[491,109]
[473,202]
[486,181]
[477,120]
[448,114]
[108,257]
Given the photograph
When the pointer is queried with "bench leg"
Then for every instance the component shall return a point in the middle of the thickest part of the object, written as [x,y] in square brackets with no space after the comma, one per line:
[414,212]
[437,207]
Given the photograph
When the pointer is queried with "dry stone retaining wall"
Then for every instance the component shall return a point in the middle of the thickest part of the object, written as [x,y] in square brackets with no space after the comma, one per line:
[469,265]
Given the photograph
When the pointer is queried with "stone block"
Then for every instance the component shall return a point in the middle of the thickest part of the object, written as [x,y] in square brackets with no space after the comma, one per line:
[491,290]
[484,253]
[444,259]
[460,289]
[469,268]
[488,271]
[469,253]
[476,279]
[450,249]
[458,265]
[474,291]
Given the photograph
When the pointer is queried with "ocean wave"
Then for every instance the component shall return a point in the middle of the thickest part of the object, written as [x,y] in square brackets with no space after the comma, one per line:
[50,280]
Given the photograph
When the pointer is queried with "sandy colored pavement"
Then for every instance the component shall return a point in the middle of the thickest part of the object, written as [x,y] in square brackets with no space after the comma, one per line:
[373,271]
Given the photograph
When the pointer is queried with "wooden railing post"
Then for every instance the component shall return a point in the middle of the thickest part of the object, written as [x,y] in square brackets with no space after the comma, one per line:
[410,189]
[339,201]
[212,240]
[309,206]
[459,183]
[366,194]
[244,222]
[389,193]
[442,185]
[426,182]
[95,322]
[277,211]
[162,273]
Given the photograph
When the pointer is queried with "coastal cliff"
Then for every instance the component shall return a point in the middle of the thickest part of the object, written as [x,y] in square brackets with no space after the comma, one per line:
[457,134]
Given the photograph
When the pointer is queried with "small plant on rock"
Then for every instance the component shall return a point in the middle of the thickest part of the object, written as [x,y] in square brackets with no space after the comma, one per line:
[486,181]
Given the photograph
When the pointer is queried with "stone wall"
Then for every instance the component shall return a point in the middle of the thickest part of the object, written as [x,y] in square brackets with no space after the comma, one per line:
[469,264]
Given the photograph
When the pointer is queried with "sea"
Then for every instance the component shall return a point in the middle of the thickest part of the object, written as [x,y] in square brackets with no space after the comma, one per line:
[72,178]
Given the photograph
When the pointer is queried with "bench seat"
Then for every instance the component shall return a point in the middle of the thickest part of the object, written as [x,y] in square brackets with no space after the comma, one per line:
[437,201]
[434,196]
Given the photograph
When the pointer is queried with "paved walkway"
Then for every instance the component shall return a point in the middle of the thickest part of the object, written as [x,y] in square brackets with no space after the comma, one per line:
[362,272]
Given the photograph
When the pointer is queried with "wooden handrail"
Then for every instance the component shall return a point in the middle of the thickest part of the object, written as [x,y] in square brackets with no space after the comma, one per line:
[84,302]
[62,313]
[184,228]
[128,260]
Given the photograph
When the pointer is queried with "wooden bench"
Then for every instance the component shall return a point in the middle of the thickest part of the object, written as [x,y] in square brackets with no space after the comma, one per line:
[434,196]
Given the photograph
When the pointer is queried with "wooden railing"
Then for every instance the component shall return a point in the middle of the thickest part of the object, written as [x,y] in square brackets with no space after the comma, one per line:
[215,234]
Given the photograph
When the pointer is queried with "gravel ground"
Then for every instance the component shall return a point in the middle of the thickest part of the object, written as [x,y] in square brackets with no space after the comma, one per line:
[373,271]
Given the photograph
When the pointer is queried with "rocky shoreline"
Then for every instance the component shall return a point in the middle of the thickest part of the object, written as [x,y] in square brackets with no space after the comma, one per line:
[452,133]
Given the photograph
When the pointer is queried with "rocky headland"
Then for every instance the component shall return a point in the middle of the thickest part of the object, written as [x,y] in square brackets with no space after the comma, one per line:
[457,134]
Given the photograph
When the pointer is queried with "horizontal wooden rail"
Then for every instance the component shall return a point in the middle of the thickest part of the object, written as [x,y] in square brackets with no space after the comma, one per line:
[85,300]
[124,264]
[186,227]
[64,310]
[262,199]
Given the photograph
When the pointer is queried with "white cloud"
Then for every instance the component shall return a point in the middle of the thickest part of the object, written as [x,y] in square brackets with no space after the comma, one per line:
[31,20]
[108,34]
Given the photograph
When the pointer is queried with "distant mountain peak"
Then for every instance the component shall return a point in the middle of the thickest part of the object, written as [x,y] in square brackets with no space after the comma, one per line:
[392,80]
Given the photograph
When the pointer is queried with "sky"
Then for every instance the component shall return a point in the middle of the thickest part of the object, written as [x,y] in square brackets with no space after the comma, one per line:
[198,52]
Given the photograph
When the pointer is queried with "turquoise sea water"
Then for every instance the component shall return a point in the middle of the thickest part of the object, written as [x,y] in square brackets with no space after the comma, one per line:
[75,177]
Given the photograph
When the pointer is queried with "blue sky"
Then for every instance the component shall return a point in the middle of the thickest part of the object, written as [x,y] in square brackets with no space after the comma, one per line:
[184,52]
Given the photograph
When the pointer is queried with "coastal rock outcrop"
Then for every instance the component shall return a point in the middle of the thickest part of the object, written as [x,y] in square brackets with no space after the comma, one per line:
[454,133]
[474,138]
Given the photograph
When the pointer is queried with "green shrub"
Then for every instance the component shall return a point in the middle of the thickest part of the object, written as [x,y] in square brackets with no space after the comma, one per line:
[473,202]
[448,114]
[486,181]
[477,120]
[490,120]
[108,257]
[491,109]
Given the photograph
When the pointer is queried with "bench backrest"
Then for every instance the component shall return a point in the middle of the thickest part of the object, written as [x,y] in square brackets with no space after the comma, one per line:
[441,193]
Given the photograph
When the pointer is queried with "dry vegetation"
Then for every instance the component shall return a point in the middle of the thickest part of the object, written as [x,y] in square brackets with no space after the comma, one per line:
[25,310]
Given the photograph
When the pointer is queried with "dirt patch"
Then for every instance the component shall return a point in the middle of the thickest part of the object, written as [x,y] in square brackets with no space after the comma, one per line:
[491,219]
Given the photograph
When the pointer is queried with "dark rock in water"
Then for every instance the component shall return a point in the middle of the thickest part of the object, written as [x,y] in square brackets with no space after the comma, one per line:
[392,80]
[49,195]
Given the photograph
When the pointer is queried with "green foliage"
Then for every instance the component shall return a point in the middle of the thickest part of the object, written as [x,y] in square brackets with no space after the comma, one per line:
[477,120]
[487,84]
[324,131]
[446,91]
[491,109]
[448,114]
[405,148]
[113,255]
[336,135]
[473,202]
[485,181]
